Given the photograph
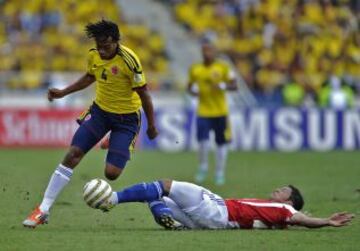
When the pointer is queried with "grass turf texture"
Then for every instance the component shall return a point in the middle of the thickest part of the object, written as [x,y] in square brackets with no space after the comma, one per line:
[328,182]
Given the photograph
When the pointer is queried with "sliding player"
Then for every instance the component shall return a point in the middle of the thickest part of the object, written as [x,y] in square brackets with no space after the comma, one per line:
[178,205]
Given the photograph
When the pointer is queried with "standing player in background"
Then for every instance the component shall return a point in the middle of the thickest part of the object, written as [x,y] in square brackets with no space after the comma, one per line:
[179,205]
[209,81]
[120,92]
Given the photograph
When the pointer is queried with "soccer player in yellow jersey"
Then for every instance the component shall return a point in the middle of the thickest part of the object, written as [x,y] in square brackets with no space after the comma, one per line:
[120,93]
[209,81]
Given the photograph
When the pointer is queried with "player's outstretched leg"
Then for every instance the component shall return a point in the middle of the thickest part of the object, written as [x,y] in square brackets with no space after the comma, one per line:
[142,192]
[146,192]
[59,179]
[37,217]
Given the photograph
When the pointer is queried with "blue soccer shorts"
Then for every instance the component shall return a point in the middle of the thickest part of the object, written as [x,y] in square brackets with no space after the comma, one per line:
[220,126]
[96,123]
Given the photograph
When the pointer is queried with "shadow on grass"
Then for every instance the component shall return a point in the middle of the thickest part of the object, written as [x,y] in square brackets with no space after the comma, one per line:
[119,229]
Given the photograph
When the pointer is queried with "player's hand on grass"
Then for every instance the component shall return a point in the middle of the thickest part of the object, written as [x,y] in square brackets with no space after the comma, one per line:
[340,219]
[54,93]
[152,132]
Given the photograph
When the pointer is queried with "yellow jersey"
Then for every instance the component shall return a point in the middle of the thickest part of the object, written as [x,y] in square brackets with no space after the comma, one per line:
[116,79]
[212,99]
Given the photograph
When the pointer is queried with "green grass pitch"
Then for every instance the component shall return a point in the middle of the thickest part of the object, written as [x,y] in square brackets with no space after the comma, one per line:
[328,181]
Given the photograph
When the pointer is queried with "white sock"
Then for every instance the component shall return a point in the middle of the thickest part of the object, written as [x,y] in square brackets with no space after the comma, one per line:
[58,181]
[203,155]
[221,156]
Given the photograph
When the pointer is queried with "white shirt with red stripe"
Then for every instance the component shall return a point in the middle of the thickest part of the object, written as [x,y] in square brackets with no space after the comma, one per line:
[257,213]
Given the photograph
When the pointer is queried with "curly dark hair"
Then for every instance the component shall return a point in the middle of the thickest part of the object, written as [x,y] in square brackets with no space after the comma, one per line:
[103,29]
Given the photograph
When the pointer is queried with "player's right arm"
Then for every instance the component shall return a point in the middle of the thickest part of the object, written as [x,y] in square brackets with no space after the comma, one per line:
[335,220]
[83,82]
[87,79]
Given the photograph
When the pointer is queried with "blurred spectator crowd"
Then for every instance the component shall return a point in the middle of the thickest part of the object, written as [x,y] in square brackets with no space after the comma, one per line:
[42,36]
[295,47]
[288,50]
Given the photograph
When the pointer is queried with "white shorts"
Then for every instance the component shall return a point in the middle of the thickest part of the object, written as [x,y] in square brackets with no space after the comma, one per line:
[196,206]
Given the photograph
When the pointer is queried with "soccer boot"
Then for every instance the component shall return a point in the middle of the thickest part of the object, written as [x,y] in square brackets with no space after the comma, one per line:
[169,223]
[37,217]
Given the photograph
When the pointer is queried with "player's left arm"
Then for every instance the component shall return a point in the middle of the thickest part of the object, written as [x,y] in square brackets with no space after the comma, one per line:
[83,82]
[148,108]
[335,220]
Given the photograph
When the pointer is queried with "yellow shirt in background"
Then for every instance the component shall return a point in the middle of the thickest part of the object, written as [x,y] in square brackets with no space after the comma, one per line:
[115,80]
[212,99]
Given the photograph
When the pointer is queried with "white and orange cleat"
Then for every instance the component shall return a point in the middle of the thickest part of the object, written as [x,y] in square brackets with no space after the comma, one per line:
[37,217]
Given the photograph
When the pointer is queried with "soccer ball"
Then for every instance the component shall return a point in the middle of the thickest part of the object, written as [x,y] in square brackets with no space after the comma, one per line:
[96,192]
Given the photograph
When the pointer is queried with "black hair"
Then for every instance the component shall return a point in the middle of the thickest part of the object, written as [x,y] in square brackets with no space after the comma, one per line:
[296,198]
[103,29]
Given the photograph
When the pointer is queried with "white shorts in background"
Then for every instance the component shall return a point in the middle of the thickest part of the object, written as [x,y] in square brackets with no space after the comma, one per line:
[204,208]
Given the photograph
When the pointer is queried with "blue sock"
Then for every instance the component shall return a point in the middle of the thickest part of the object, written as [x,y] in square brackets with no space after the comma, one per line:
[158,208]
[143,192]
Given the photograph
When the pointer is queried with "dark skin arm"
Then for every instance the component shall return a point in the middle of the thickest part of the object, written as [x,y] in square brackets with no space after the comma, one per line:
[147,105]
[83,82]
